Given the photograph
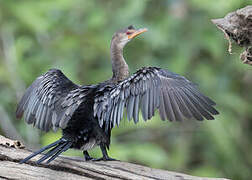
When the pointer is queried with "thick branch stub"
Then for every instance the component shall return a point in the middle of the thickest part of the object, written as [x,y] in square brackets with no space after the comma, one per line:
[11,143]
[246,56]
[237,26]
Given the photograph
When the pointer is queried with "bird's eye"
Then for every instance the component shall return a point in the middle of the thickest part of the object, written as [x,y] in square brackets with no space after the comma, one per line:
[128,32]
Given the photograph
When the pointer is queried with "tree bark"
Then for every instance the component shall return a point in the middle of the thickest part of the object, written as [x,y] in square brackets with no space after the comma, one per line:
[237,26]
[65,168]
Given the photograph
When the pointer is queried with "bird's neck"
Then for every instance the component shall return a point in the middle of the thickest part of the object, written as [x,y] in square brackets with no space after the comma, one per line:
[119,66]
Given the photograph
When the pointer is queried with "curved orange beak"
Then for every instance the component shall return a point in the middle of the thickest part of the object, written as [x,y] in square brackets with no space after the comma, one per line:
[137,32]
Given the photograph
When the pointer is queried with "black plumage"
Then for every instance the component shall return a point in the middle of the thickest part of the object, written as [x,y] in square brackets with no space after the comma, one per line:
[87,114]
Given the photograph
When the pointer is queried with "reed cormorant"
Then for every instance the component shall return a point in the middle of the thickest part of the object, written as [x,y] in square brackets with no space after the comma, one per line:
[86,114]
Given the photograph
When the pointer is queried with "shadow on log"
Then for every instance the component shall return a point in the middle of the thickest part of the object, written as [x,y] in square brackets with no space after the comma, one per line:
[65,168]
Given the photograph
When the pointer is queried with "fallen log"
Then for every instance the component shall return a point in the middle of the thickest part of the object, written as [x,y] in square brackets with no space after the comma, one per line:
[65,168]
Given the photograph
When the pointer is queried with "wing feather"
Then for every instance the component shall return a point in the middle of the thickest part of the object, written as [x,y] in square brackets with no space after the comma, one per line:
[144,105]
[191,106]
[136,110]
[178,114]
[162,107]
[168,108]
[199,107]
[130,107]
[182,106]
[149,89]
[151,103]
[45,102]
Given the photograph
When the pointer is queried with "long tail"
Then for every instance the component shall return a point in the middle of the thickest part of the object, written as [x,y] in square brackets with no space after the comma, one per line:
[58,147]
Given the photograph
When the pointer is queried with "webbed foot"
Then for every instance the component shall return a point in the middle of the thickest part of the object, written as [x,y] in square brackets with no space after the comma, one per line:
[87,157]
[104,159]
[105,156]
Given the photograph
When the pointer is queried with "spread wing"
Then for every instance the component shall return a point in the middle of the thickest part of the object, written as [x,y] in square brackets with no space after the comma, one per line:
[50,101]
[149,89]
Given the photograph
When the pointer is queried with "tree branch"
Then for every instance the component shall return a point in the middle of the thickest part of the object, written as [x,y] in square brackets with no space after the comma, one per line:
[237,26]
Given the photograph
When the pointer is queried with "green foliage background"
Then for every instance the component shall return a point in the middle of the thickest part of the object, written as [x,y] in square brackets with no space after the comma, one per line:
[74,36]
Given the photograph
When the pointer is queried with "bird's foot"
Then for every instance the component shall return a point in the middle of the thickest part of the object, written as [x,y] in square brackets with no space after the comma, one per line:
[105,156]
[104,159]
[89,158]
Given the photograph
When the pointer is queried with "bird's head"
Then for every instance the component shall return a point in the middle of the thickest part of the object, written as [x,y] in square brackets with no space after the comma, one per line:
[123,36]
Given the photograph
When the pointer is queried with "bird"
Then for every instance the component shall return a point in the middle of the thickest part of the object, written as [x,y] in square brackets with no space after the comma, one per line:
[88,113]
